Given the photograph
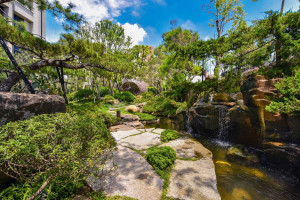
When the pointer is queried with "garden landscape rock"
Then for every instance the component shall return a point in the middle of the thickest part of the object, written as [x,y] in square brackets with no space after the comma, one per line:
[19,106]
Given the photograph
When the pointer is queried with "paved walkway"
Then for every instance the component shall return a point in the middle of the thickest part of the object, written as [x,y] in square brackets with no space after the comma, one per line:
[193,176]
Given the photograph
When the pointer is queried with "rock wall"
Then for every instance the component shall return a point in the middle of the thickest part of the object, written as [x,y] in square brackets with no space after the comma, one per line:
[17,106]
[248,122]
[275,136]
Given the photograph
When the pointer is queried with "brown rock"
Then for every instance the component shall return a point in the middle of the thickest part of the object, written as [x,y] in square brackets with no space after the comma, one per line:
[114,102]
[129,117]
[17,106]
[132,108]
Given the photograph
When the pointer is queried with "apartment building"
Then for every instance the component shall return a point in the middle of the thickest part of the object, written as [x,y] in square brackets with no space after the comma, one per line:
[34,19]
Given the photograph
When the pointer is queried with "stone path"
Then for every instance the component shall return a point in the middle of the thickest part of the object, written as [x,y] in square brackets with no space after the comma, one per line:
[192,178]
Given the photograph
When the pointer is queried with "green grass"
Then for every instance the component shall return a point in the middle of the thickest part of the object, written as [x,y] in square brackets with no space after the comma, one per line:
[146,116]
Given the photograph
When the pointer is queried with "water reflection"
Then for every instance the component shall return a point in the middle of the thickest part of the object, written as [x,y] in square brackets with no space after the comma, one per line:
[241,182]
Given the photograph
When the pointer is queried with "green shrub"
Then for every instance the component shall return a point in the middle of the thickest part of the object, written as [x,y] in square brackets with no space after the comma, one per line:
[289,100]
[104,91]
[125,96]
[162,106]
[153,90]
[83,94]
[161,158]
[145,116]
[92,109]
[61,148]
[168,135]
[71,96]
[107,98]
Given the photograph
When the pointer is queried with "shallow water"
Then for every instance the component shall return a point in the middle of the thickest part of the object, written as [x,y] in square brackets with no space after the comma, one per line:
[241,182]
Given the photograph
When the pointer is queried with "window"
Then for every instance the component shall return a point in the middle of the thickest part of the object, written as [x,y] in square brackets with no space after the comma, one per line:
[2,11]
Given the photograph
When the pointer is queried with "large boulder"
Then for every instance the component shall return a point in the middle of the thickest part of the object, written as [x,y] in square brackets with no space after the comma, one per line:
[134,86]
[17,106]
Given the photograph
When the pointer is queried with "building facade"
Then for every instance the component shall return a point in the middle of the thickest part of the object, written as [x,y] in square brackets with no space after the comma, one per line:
[34,19]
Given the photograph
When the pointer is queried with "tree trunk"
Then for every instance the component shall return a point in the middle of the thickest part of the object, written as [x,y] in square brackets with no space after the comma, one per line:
[11,80]
[282,6]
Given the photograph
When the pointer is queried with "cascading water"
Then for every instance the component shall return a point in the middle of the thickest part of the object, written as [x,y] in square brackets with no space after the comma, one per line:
[223,124]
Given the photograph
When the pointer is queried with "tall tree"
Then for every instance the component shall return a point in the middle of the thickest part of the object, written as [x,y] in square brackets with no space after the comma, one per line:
[224,12]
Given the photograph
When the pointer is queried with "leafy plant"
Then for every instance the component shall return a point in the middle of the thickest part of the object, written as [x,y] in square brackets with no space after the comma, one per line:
[107,98]
[161,158]
[104,91]
[53,153]
[145,116]
[125,96]
[83,94]
[162,106]
[289,100]
[153,90]
[168,135]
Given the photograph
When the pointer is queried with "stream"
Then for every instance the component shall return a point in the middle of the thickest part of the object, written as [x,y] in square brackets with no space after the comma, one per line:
[242,182]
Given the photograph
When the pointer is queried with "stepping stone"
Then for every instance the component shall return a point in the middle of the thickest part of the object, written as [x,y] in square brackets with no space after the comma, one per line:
[135,124]
[142,141]
[134,177]
[129,117]
[150,129]
[122,134]
[121,127]
[158,130]
[189,148]
[193,180]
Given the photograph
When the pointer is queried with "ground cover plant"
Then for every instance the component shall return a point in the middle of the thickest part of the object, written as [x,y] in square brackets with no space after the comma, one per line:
[168,135]
[52,153]
[162,159]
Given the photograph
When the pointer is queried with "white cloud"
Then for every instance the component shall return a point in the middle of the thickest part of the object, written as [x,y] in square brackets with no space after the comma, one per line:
[96,10]
[206,38]
[135,32]
[53,38]
[189,25]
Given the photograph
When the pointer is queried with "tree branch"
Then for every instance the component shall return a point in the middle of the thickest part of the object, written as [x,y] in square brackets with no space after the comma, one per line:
[57,63]
[41,189]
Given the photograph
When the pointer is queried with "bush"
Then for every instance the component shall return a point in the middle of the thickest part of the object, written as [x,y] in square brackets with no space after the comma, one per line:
[153,90]
[104,91]
[289,101]
[92,109]
[145,116]
[168,135]
[107,98]
[60,148]
[161,158]
[125,96]
[83,94]
[162,106]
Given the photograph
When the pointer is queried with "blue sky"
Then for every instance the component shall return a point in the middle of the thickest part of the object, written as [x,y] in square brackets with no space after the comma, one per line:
[146,20]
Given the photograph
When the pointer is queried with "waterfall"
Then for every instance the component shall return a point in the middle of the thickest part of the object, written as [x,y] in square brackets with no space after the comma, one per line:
[187,124]
[223,124]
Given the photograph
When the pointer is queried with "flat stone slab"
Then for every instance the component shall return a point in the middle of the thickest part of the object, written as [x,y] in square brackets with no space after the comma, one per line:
[135,124]
[121,127]
[142,141]
[134,177]
[158,130]
[193,180]
[189,148]
[118,135]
